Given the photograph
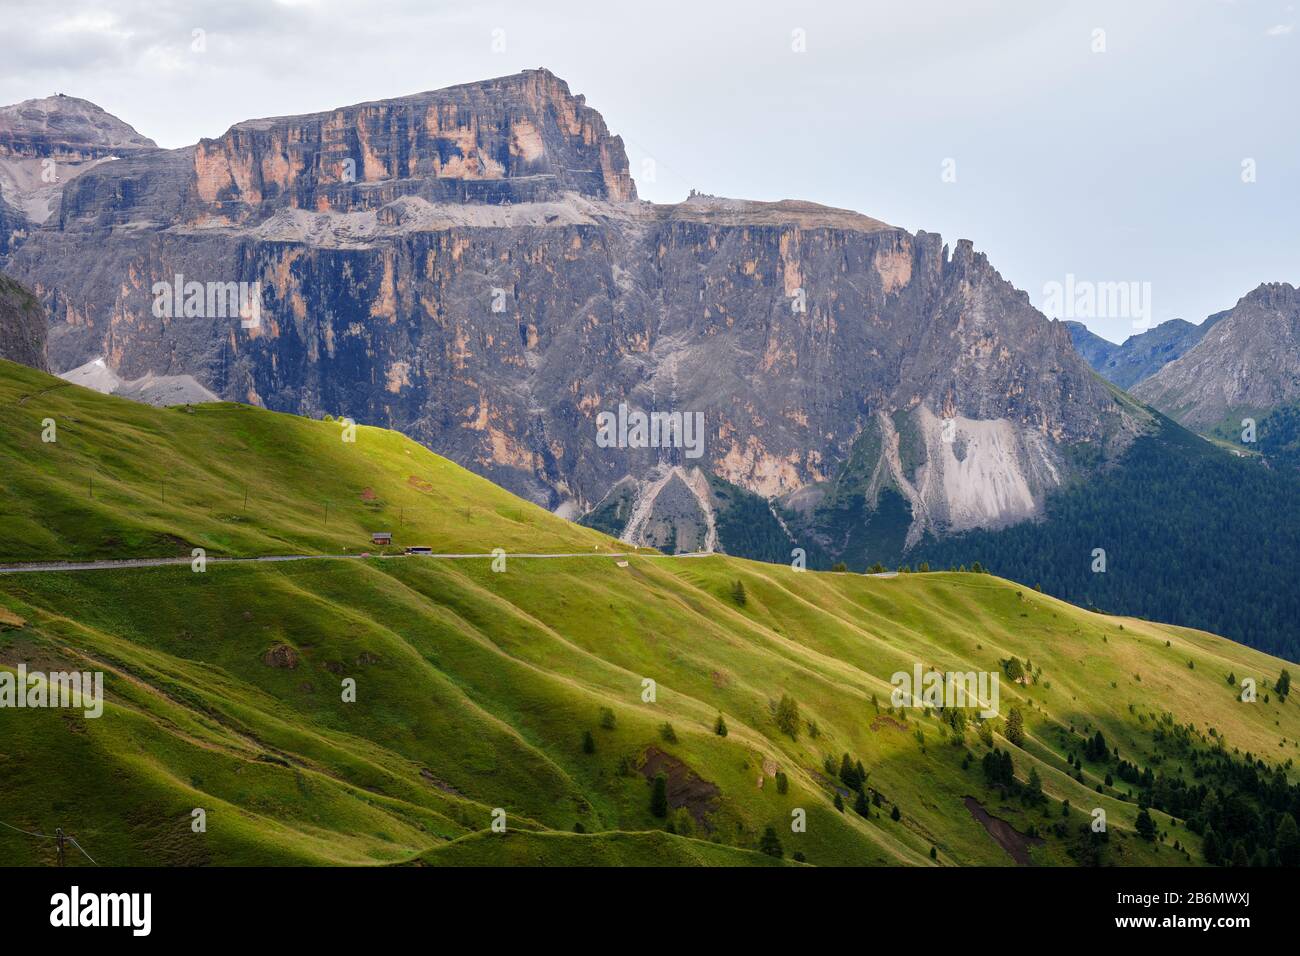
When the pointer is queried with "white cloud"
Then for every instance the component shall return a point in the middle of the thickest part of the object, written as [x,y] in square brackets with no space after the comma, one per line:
[1280,30]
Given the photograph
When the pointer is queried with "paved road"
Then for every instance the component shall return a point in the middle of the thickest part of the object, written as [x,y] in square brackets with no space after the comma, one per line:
[47,567]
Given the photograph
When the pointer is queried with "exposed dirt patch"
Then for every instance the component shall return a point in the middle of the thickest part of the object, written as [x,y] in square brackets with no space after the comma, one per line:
[419,484]
[686,788]
[281,656]
[442,785]
[1008,837]
[884,720]
[8,619]
[368,494]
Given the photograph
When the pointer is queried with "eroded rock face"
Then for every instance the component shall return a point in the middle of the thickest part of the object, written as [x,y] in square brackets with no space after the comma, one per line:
[1248,362]
[490,286]
[22,326]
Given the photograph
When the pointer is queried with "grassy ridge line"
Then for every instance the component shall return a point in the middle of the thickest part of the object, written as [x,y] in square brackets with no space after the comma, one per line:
[202,461]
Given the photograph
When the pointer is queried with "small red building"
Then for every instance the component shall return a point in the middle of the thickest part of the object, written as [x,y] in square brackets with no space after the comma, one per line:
[381,537]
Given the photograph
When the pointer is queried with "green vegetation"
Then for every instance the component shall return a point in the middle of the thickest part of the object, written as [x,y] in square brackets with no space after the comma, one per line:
[524,692]
[1192,534]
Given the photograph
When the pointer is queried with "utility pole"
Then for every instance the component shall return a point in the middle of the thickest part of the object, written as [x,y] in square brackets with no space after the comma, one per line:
[58,837]
[245,497]
[327,514]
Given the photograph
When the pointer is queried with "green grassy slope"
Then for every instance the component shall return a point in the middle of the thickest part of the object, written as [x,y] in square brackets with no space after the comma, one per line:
[127,480]
[474,688]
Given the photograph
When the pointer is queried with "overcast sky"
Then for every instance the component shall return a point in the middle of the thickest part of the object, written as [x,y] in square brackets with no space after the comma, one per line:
[1122,164]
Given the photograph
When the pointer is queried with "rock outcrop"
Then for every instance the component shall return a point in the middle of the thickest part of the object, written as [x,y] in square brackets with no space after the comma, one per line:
[472,267]
[22,326]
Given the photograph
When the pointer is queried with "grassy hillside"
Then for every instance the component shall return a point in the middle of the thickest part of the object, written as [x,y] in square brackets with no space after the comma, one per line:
[480,693]
[127,480]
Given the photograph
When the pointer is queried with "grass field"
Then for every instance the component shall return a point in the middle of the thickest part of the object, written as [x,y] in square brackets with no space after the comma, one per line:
[475,688]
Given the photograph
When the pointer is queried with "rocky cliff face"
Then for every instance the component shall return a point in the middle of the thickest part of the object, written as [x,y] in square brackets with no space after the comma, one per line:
[1249,362]
[22,326]
[471,266]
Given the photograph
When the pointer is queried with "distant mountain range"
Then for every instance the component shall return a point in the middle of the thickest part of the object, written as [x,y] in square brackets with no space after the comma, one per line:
[1142,355]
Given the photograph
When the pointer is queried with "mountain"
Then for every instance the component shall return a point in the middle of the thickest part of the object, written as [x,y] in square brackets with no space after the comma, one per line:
[523,691]
[471,266]
[46,144]
[1246,365]
[22,325]
[1141,355]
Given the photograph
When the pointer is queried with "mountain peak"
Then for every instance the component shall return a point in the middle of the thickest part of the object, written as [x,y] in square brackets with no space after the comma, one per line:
[65,127]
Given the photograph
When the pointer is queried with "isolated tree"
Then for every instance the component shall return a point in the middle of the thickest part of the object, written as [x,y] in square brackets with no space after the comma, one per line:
[1015,731]
[1284,684]
[782,782]
[839,566]
[607,720]
[659,796]
[720,728]
[839,802]
[848,773]
[1035,785]
[738,593]
[787,717]
[667,733]
[771,843]
[1146,827]
[588,742]
[934,853]
[895,814]
[860,805]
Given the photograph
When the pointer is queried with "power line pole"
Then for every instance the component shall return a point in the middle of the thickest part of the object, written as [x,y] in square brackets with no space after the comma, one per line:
[58,837]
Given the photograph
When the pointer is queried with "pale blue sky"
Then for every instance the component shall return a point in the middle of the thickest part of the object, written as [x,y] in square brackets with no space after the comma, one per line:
[1123,165]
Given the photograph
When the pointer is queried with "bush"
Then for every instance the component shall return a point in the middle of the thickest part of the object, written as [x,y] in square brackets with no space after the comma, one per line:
[771,843]
[720,728]
[738,593]
[607,720]
[667,733]
[787,717]
[588,742]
